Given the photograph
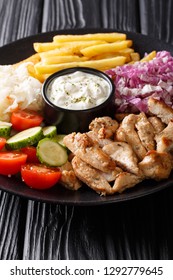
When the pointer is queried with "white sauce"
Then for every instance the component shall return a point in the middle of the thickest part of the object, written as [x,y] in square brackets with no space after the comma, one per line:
[78,91]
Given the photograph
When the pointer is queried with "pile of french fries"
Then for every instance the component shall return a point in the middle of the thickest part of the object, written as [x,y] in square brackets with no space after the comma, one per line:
[101,51]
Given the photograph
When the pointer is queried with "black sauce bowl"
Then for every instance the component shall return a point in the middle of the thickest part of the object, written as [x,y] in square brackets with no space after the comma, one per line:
[67,120]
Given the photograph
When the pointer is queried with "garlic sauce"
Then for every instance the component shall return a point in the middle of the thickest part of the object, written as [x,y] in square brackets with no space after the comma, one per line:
[78,91]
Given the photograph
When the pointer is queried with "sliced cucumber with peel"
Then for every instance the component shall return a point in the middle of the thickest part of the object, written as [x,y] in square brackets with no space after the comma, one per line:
[28,137]
[49,131]
[59,138]
[51,153]
[5,129]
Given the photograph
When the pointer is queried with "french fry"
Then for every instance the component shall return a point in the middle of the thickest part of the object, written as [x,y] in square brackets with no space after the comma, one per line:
[63,59]
[105,48]
[32,72]
[47,46]
[125,52]
[107,55]
[104,55]
[44,47]
[104,64]
[33,58]
[101,51]
[148,57]
[56,52]
[69,49]
[135,56]
[108,37]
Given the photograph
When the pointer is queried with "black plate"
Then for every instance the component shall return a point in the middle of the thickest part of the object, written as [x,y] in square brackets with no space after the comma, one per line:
[23,48]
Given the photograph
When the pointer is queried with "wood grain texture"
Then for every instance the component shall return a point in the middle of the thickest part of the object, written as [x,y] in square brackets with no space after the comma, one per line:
[60,14]
[132,230]
[48,229]
[18,19]
[156,19]
[139,229]
[12,226]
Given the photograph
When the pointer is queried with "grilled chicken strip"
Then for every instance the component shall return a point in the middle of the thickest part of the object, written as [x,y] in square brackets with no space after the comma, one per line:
[94,179]
[165,139]
[100,141]
[124,156]
[156,165]
[105,127]
[125,180]
[82,146]
[160,109]
[145,132]
[120,135]
[68,177]
[91,176]
[157,124]
[131,136]
[120,116]
[111,176]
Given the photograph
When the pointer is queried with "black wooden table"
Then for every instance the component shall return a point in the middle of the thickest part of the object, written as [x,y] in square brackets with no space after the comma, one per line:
[137,229]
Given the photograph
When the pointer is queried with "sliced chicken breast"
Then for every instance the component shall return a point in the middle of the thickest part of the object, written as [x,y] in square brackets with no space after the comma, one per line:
[165,139]
[105,127]
[124,156]
[120,116]
[125,180]
[81,145]
[111,176]
[156,165]
[145,132]
[131,136]
[160,109]
[91,176]
[120,135]
[100,141]
[68,177]
[157,124]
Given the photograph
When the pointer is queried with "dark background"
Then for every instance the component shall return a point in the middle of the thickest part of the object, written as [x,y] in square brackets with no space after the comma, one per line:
[138,229]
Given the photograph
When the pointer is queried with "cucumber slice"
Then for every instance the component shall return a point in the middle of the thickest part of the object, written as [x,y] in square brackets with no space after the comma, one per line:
[59,138]
[49,131]
[5,129]
[51,153]
[25,138]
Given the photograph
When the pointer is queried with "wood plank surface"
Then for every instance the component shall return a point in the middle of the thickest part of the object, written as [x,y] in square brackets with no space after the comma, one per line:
[139,229]
[18,19]
[156,19]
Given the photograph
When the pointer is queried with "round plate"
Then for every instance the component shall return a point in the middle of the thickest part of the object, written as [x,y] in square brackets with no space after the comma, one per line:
[23,48]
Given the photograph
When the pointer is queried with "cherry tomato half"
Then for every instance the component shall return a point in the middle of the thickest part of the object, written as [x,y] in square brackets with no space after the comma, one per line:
[2,142]
[31,152]
[11,162]
[38,176]
[22,120]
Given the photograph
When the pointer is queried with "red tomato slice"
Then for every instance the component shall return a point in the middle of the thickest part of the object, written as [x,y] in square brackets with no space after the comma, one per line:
[31,154]
[11,162]
[38,176]
[22,120]
[2,142]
